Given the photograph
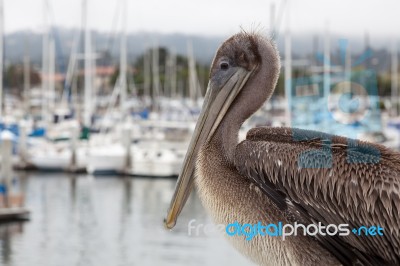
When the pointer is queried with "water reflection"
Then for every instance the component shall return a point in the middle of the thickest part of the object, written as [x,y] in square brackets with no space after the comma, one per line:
[82,220]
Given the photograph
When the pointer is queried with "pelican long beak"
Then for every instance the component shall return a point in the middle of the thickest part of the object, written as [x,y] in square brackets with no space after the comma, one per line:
[216,103]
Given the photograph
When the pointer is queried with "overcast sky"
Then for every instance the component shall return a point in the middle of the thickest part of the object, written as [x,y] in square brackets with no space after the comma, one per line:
[215,17]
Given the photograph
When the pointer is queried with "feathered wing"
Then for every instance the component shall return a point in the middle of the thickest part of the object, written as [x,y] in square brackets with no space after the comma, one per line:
[316,177]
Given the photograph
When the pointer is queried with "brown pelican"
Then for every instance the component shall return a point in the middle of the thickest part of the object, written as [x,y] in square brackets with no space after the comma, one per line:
[274,175]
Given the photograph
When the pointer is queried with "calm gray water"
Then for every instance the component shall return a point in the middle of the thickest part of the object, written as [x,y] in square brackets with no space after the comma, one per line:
[85,220]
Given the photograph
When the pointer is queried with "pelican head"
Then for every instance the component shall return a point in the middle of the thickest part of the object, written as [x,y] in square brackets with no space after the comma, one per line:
[245,69]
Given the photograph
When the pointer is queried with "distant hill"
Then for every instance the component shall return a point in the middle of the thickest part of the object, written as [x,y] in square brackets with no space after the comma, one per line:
[17,43]
[204,47]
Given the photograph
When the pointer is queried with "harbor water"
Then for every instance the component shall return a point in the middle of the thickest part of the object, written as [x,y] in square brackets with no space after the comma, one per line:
[108,220]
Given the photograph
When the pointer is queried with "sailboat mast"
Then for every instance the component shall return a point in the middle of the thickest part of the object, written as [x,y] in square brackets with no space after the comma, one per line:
[27,78]
[327,69]
[167,76]
[88,68]
[173,74]
[192,73]
[146,74]
[272,20]
[45,61]
[156,78]
[70,75]
[1,56]
[347,67]
[394,76]
[51,85]
[288,67]
[123,60]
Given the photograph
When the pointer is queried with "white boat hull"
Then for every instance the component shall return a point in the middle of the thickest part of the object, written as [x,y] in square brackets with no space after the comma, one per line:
[143,162]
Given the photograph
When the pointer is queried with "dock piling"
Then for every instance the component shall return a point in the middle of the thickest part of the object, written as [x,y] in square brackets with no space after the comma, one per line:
[126,142]
[6,163]
[22,144]
[74,144]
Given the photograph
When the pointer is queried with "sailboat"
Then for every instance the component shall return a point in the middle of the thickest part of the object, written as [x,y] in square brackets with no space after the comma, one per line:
[62,148]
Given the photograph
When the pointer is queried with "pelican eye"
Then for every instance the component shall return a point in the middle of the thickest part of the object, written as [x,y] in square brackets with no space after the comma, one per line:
[224,66]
